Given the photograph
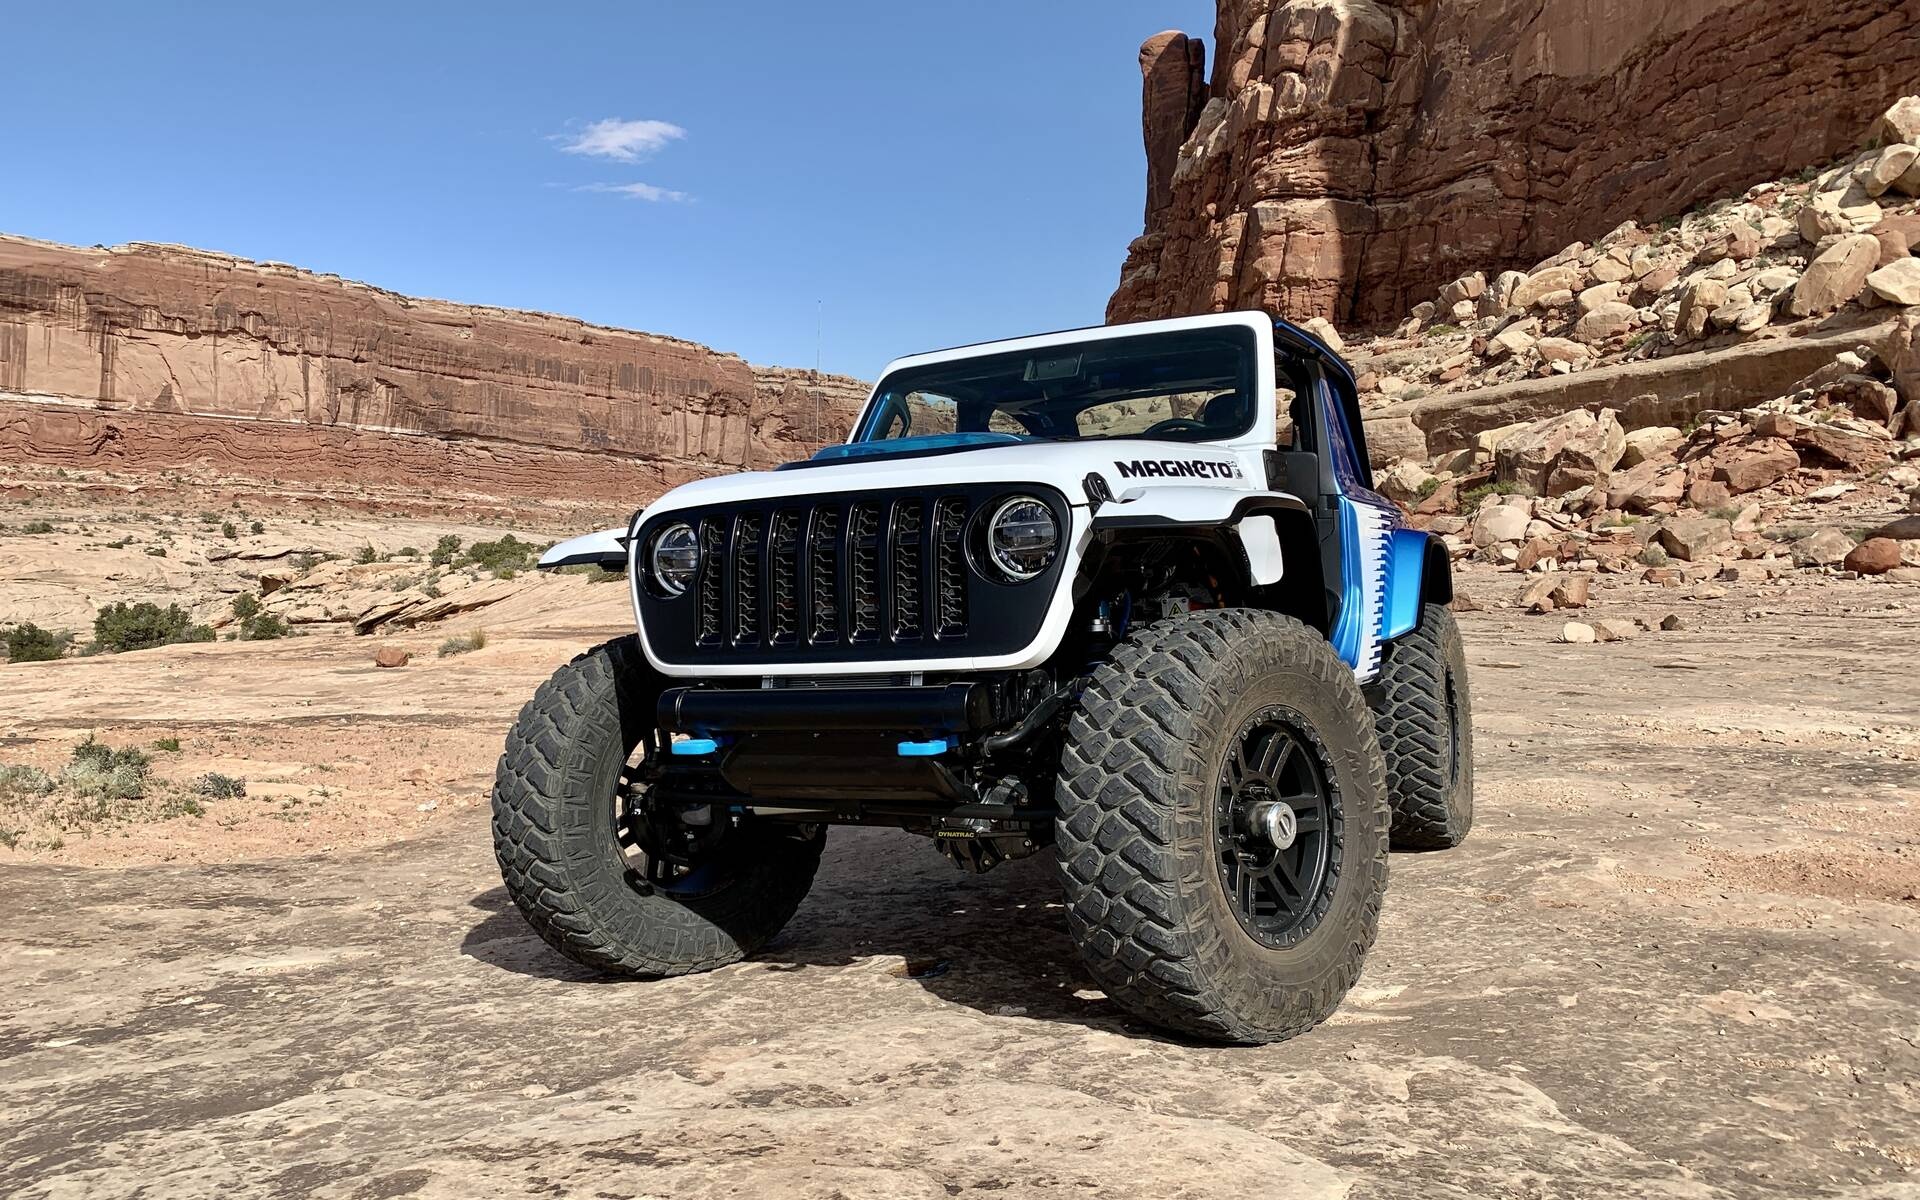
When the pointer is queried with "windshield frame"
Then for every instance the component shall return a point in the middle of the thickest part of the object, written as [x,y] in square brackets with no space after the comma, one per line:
[1250,336]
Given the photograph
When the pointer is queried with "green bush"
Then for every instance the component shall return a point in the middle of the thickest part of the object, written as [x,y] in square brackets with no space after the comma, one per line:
[366,554]
[215,786]
[28,642]
[504,557]
[264,627]
[229,530]
[99,771]
[170,745]
[257,528]
[24,781]
[37,527]
[245,605]
[157,551]
[1471,499]
[445,550]
[460,645]
[120,627]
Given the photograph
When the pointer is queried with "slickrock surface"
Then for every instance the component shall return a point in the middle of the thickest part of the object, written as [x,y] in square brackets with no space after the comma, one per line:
[144,357]
[1347,157]
[1677,958]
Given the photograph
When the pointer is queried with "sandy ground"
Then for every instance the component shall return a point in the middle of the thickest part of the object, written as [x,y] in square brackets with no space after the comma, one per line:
[1678,957]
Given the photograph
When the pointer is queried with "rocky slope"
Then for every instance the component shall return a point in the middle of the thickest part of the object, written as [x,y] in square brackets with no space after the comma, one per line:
[1733,394]
[147,357]
[1347,157]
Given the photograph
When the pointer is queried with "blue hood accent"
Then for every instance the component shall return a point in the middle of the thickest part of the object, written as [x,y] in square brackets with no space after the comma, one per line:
[909,447]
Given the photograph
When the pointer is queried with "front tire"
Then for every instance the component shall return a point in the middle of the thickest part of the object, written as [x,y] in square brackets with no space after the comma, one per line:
[1424,717]
[1161,816]
[558,832]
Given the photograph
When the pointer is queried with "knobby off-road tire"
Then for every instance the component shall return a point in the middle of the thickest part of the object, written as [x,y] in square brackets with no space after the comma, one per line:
[1141,798]
[554,834]
[1425,721]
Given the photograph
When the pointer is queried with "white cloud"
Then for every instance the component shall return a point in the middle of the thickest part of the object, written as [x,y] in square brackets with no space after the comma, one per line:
[622,141]
[634,191]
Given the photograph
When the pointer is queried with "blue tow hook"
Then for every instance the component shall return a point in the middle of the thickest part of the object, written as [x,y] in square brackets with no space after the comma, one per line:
[924,749]
[695,746]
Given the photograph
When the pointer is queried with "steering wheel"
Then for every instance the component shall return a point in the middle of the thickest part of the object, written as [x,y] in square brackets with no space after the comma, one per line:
[1175,425]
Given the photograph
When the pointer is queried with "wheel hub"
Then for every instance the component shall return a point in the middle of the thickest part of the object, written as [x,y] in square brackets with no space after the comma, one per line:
[1276,822]
[1278,828]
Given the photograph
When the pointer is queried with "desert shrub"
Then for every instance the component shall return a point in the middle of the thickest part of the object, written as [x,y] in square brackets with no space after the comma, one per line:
[257,528]
[229,530]
[27,642]
[245,605]
[37,527]
[1654,556]
[99,771]
[24,781]
[445,550]
[407,552]
[1471,499]
[157,551]
[264,627]
[120,627]
[460,645]
[504,557]
[1428,487]
[365,555]
[304,561]
[170,745]
[215,786]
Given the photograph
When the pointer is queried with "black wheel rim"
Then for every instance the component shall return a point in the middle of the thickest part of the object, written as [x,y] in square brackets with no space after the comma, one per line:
[656,860]
[1278,886]
[1453,728]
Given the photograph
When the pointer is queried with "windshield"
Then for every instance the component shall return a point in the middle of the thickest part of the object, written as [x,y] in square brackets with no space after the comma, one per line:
[1186,386]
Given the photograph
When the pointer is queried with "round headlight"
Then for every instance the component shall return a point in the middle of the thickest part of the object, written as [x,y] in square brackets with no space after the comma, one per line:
[1023,537]
[676,558]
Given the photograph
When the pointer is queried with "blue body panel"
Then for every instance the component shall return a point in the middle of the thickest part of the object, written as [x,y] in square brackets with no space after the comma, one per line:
[1406,572]
[1382,563]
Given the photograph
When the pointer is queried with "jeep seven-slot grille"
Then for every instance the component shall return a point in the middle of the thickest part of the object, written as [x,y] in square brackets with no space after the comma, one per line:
[834,573]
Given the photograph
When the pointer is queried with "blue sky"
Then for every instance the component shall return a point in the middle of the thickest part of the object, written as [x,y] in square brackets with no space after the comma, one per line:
[926,175]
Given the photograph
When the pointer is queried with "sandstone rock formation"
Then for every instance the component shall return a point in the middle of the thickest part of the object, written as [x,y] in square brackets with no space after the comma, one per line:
[1349,157]
[150,356]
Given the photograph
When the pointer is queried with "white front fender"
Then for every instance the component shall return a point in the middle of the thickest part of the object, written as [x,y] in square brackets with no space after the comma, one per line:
[607,548]
[1250,514]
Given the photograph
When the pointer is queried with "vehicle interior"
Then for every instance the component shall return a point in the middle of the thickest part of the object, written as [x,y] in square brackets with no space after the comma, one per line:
[1187,386]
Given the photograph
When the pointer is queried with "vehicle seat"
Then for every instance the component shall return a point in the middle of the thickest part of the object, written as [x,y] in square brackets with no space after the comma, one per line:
[1225,413]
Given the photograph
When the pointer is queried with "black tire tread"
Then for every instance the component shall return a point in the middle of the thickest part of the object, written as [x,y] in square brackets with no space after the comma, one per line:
[1431,811]
[565,886]
[1130,750]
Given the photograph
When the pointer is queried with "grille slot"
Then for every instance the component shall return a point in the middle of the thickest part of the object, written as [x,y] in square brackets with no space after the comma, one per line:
[949,567]
[713,540]
[863,537]
[746,578]
[823,568]
[908,569]
[784,612]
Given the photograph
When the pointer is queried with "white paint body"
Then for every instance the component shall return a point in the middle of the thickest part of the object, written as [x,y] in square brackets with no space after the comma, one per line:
[1063,466]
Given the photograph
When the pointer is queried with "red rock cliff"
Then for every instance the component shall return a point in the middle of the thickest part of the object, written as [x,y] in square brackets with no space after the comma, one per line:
[143,354]
[1348,157]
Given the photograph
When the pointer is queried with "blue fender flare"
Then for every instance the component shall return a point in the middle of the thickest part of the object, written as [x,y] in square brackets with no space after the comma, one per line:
[1418,572]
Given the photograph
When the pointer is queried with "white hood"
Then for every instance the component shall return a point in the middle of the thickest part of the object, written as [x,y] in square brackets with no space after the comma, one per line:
[1126,464]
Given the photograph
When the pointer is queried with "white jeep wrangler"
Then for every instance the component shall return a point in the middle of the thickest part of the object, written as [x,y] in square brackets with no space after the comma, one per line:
[1125,593]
